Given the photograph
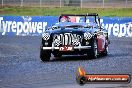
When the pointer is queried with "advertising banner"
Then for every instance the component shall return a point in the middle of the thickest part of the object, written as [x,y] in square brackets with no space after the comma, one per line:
[36,25]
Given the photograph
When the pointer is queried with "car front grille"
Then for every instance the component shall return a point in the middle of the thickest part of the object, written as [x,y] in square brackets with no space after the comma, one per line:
[67,38]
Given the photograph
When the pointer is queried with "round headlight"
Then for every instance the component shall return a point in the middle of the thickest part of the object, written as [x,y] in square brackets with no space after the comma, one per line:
[46,36]
[87,36]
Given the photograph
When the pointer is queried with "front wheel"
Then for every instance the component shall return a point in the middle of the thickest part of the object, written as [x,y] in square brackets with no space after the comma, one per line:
[93,53]
[45,55]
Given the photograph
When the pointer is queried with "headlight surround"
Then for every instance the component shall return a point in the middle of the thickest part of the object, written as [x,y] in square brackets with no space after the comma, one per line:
[87,36]
[46,36]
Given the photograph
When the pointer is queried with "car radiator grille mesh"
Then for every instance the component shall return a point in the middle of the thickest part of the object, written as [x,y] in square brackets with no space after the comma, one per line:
[68,38]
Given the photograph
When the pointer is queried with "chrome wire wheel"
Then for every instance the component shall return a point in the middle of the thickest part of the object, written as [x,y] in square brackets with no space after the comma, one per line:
[95,49]
[93,52]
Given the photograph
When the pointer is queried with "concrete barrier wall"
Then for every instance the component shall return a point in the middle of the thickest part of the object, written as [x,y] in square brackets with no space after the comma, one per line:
[36,25]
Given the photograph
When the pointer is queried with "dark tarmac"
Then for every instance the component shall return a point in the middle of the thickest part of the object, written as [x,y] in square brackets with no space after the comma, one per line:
[21,67]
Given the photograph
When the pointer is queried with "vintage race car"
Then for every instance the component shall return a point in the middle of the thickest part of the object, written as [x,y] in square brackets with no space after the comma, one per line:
[75,34]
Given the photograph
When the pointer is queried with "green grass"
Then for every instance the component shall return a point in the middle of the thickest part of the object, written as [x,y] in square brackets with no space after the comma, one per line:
[50,11]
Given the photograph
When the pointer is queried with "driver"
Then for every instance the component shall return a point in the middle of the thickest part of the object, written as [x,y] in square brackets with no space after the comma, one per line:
[65,19]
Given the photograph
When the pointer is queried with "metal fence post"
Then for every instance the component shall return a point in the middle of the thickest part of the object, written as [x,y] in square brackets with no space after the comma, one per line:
[103,3]
[60,3]
[21,3]
[81,3]
[126,4]
[2,2]
[40,3]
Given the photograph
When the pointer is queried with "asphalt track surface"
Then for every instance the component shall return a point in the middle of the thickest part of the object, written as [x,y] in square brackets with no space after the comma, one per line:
[20,65]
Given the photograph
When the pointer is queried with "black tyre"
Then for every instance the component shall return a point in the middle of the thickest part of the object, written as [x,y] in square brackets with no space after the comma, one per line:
[106,51]
[93,53]
[45,55]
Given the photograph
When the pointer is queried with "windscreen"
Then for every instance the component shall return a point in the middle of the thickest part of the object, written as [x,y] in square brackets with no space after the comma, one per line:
[76,19]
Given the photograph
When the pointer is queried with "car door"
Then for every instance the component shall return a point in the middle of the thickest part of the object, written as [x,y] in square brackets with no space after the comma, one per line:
[101,41]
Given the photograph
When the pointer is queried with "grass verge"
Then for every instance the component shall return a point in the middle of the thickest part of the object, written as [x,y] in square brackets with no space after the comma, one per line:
[55,11]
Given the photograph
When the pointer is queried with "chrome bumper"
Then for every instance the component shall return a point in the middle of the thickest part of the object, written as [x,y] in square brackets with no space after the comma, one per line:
[76,47]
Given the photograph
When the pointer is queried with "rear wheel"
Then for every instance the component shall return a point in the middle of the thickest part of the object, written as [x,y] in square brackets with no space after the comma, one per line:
[106,51]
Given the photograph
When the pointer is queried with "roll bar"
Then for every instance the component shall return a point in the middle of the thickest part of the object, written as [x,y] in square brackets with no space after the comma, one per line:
[85,15]
[95,15]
